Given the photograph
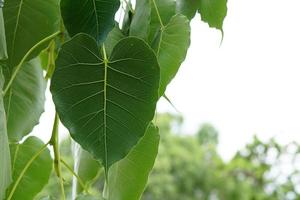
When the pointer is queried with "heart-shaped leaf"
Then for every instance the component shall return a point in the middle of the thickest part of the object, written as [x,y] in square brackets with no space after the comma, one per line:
[172,46]
[127,178]
[3,50]
[24,102]
[213,12]
[93,17]
[106,103]
[5,170]
[26,23]
[36,174]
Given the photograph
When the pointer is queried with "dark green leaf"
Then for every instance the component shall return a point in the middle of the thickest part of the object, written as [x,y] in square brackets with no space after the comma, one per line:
[94,17]
[3,50]
[187,7]
[38,173]
[171,49]
[140,25]
[26,23]
[106,104]
[5,171]
[24,102]
[113,38]
[128,177]
[213,12]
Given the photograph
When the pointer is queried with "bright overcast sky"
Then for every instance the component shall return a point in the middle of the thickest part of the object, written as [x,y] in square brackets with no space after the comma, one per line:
[251,83]
[248,85]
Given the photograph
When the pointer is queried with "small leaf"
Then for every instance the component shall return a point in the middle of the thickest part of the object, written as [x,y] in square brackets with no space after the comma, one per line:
[24,102]
[27,23]
[38,173]
[140,25]
[3,50]
[93,17]
[128,177]
[213,12]
[187,8]
[171,49]
[106,104]
[5,170]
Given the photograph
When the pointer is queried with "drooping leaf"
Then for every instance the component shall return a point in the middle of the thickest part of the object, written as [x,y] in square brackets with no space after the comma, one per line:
[140,25]
[106,104]
[187,8]
[93,17]
[26,23]
[127,178]
[24,102]
[37,174]
[160,9]
[112,39]
[172,46]
[5,161]
[3,50]
[213,12]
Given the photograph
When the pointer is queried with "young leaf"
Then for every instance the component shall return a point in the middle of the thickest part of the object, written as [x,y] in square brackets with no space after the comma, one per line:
[172,46]
[27,23]
[24,102]
[36,175]
[213,12]
[106,104]
[127,178]
[140,24]
[5,161]
[93,17]
[187,8]
[3,50]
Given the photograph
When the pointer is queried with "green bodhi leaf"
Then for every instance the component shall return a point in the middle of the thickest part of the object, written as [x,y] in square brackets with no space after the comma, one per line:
[106,103]
[3,50]
[93,17]
[134,168]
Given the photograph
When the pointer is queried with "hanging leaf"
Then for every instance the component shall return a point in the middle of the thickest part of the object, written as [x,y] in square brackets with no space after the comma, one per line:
[26,23]
[106,104]
[187,8]
[3,50]
[127,178]
[24,102]
[93,17]
[213,12]
[140,25]
[36,175]
[5,170]
[172,46]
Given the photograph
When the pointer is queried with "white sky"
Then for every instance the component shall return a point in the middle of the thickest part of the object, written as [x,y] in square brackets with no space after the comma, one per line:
[248,85]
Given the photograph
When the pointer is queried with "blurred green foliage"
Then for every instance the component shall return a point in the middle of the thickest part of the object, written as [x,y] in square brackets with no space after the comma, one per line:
[189,167]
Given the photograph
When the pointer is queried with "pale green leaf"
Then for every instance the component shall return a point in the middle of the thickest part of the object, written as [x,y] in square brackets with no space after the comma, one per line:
[26,23]
[37,174]
[88,197]
[106,104]
[173,43]
[93,17]
[24,102]
[127,178]
[3,50]
[5,161]
[213,12]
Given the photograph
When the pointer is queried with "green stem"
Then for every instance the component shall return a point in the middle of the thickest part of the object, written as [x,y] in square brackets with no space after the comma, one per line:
[54,141]
[18,67]
[158,15]
[24,170]
[76,175]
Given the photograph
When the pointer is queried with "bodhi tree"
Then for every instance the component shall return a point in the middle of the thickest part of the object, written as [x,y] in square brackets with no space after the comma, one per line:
[107,63]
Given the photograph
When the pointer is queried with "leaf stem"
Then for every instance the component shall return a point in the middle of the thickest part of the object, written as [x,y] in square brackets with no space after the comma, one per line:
[158,15]
[18,67]
[54,142]
[74,174]
[25,169]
